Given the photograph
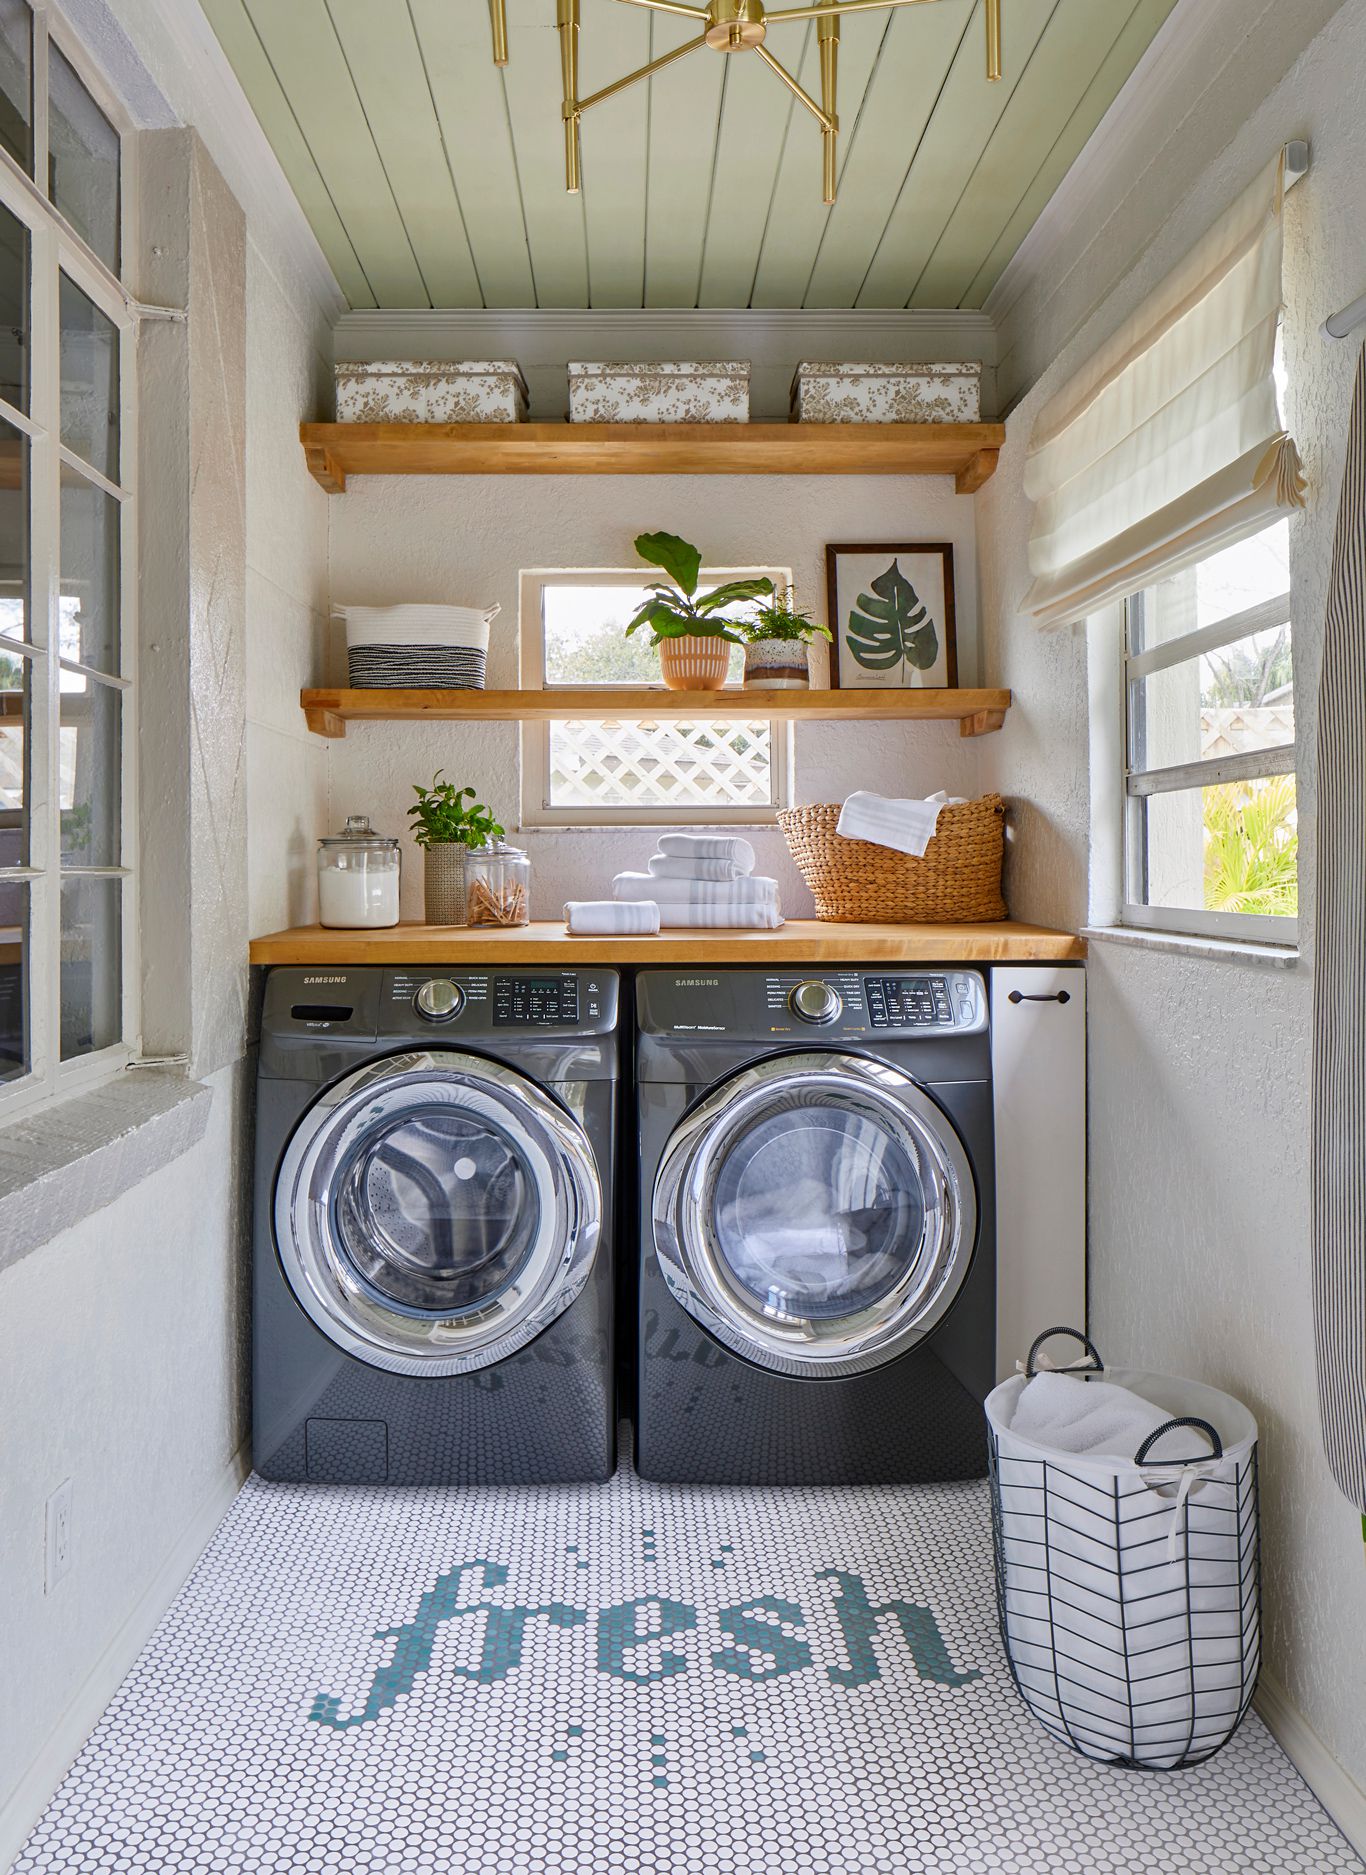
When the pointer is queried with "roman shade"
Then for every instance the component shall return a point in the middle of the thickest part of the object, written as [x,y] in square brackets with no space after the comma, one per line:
[1168,444]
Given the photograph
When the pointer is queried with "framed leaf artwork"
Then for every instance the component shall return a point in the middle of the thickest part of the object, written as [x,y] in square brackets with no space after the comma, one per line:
[892,617]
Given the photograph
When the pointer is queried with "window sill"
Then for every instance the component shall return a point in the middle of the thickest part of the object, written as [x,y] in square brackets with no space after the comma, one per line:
[1186,944]
[65,1161]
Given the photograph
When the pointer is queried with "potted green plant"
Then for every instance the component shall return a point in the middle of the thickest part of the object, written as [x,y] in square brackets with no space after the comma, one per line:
[687,627]
[777,635]
[446,822]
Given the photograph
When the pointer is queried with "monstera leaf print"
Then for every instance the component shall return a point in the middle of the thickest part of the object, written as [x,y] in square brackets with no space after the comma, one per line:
[892,625]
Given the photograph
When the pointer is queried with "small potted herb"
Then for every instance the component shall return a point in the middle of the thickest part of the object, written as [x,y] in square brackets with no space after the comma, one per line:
[446,822]
[687,628]
[777,635]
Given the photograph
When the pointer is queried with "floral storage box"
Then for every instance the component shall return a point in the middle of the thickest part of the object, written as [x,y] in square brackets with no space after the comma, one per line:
[851,393]
[418,390]
[659,393]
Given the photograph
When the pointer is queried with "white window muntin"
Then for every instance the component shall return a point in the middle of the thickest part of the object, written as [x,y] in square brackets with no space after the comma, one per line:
[536,810]
[55,248]
[1140,785]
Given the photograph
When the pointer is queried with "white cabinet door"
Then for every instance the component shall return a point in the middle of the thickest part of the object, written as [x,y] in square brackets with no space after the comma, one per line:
[1038,1066]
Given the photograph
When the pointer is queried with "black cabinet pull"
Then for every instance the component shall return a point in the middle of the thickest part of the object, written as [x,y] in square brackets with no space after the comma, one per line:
[1057,996]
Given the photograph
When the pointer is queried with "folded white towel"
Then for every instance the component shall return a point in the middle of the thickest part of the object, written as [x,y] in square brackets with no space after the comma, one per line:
[599,917]
[906,826]
[732,894]
[1075,1415]
[708,846]
[722,917]
[675,866]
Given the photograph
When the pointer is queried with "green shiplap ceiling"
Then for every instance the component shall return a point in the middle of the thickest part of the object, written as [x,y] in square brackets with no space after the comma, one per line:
[432,178]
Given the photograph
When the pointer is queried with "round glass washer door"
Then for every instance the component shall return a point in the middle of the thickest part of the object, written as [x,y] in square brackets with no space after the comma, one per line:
[435,1211]
[816,1214]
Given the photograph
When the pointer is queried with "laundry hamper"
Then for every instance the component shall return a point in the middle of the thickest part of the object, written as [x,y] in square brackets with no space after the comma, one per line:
[1129,1590]
[417,647]
[957,880]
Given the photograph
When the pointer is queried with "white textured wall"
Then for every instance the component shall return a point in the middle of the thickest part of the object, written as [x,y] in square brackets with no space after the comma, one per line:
[1199,1069]
[465,540]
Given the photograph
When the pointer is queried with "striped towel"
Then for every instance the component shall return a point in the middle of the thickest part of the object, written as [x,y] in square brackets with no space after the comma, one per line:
[744,894]
[601,917]
[905,826]
[722,918]
[708,846]
[675,866]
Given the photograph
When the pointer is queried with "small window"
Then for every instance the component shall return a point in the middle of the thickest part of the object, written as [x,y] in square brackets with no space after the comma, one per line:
[1211,833]
[634,770]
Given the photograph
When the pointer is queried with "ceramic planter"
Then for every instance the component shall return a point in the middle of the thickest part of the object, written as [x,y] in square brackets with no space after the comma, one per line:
[852,393]
[659,393]
[694,663]
[443,883]
[418,390]
[776,664]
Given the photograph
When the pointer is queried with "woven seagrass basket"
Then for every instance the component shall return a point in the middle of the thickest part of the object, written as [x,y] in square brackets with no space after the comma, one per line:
[958,881]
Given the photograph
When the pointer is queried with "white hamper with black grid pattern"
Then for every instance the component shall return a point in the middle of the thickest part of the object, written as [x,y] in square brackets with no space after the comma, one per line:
[1128,1589]
[417,647]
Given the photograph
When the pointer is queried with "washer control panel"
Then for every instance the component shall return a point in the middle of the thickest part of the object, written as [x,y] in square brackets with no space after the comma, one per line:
[486,1002]
[536,1002]
[943,1001]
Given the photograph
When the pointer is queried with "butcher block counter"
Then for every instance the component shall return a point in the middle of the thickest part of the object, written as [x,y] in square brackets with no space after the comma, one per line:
[800,941]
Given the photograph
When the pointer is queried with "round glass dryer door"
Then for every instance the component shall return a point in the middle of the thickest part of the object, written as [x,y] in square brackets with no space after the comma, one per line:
[435,1211]
[817,1214]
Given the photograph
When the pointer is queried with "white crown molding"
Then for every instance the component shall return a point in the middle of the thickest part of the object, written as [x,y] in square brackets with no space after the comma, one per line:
[1195,33]
[174,48]
[1341,1796]
[774,341]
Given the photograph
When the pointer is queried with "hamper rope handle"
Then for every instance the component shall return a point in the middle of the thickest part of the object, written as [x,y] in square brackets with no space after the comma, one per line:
[1076,1335]
[1172,1425]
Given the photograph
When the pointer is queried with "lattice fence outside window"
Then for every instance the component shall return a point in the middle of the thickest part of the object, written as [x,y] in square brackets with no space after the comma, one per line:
[662,764]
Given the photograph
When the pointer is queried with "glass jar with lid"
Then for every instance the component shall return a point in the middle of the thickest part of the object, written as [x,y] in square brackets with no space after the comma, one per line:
[358,872]
[497,885]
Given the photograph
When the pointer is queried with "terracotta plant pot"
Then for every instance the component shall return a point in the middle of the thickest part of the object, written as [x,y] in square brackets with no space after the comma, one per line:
[443,883]
[776,664]
[694,663]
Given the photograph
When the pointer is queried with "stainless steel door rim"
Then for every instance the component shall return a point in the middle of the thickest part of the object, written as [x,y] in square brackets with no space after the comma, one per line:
[556,1177]
[774,1333]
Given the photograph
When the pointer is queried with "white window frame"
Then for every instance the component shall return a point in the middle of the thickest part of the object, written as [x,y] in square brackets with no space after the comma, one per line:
[55,248]
[1141,785]
[535,736]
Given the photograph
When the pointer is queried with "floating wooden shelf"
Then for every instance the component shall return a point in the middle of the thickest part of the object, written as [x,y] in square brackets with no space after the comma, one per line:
[966,451]
[976,712]
[799,941]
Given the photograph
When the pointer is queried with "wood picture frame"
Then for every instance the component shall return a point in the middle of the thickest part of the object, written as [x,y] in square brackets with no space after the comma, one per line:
[885,655]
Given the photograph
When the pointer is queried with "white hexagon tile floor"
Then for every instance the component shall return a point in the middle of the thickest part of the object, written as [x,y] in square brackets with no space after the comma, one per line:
[414,1681]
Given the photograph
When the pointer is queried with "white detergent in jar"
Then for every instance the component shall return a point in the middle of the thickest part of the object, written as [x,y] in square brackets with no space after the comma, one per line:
[358,874]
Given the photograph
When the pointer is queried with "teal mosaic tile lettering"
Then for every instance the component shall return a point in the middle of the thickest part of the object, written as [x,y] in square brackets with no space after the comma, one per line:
[858,1620]
[762,1650]
[619,1633]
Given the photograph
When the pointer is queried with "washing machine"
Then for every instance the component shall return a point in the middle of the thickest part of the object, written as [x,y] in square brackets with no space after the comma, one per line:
[817,1280]
[433,1272]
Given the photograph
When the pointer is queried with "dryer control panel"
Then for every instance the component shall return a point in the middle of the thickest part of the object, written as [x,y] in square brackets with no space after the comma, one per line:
[814,1005]
[944,1001]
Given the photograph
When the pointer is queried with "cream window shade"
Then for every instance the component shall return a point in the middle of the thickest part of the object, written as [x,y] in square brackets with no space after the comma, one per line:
[1169,444]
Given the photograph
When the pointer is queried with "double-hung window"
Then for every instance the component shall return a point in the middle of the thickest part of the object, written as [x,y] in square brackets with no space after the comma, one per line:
[1211,833]
[68,1008]
[635,770]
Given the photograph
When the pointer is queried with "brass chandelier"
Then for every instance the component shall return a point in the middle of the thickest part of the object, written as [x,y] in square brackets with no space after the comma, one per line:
[726,26]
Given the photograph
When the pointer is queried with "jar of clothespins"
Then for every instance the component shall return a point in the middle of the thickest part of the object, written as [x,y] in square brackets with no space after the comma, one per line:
[497,885]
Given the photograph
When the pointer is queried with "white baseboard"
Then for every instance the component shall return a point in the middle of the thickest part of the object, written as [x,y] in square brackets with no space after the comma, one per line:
[1341,1796]
[59,1749]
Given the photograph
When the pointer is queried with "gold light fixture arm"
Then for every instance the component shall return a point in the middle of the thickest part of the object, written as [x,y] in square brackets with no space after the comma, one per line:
[646,71]
[828,44]
[567,26]
[498,20]
[803,97]
[993,41]
[669,6]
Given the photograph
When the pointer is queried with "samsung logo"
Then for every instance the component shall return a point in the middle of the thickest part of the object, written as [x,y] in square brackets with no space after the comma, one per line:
[339,979]
[697,983]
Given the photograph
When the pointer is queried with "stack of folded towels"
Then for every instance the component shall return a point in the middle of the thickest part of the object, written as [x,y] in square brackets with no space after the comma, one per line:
[705,880]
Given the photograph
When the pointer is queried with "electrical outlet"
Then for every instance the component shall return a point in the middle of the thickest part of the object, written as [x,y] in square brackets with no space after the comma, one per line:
[58,1546]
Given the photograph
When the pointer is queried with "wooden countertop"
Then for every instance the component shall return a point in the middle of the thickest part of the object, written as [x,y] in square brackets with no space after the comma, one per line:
[800,941]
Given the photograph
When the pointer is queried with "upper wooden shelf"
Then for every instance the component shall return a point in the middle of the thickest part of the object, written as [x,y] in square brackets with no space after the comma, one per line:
[977,712]
[799,941]
[966,451]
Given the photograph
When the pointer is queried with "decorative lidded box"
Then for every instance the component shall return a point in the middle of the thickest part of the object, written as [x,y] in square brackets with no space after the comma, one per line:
[659,393]
[851,393]
[427,390]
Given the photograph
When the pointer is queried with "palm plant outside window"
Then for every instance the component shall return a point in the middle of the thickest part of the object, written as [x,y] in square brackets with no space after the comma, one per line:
[1211,833]
[68,1009]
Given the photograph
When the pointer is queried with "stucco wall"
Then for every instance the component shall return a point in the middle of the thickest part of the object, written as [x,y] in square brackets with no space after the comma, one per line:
[1199,1069]
[466,540]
